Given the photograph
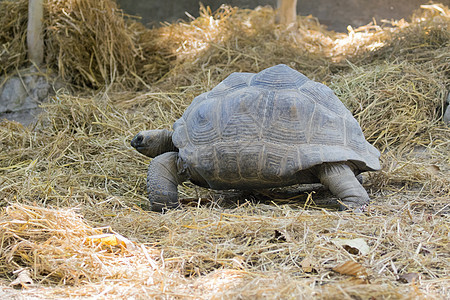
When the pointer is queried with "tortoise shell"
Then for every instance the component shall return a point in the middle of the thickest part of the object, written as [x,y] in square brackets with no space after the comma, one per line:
[264,129]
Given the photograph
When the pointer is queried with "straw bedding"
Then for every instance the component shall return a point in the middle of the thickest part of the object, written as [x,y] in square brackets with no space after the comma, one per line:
[73,176]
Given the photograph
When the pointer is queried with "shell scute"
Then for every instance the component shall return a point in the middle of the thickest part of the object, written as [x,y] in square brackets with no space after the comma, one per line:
[290,119]
[241,115]
[326,128]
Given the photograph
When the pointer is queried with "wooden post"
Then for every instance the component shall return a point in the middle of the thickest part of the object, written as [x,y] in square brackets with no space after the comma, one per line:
[35,42]
[287,11]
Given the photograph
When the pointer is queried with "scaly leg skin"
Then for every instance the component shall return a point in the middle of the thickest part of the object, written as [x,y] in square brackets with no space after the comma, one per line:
[341,181]
[163,178]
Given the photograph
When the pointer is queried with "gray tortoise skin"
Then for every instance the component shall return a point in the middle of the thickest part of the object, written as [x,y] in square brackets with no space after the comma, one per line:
[254,131]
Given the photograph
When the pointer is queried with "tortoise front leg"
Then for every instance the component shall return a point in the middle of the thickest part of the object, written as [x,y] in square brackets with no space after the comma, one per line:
[341,181]
[163,178]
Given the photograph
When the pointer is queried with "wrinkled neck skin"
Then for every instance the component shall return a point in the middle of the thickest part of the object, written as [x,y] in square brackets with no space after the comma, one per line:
[166,143]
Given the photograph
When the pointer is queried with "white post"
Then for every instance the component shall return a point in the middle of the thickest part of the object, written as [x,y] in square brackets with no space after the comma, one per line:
[35,42]
[287,11]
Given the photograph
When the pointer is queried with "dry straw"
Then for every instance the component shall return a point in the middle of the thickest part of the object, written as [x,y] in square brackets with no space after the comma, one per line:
[88,43]
[394,80]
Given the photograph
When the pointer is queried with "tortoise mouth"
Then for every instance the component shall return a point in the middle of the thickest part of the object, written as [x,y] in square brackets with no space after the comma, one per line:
[141,148]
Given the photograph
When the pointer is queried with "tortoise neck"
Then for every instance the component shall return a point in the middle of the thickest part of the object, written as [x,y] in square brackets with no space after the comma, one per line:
[167,143]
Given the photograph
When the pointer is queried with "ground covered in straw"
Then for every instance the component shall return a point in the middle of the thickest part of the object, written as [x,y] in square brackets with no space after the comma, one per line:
[75,222]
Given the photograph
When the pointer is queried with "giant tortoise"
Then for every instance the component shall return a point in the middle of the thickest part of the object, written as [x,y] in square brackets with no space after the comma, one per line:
[254,131]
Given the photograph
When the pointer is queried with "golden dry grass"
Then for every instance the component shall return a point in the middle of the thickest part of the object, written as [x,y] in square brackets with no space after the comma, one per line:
[74,175]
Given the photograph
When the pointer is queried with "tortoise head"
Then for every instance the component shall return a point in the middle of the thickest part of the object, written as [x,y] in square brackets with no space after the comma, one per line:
[152,143]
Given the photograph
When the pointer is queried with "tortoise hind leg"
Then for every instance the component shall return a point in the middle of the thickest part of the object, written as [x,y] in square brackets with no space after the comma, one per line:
[341,181]
[163,178]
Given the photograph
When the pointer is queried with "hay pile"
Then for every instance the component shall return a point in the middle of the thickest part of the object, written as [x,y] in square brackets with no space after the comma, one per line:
[78,155]
[251,252]
[87,43]
[54,243]
[398,92]
[90,44]
[398,95]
